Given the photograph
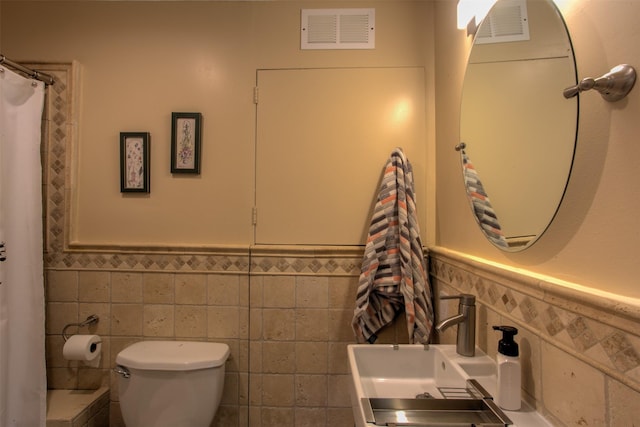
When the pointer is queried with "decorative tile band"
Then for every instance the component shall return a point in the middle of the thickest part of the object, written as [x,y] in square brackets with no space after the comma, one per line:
[335,265]
[302,266]
[301,260]
[148,262]
[593,334]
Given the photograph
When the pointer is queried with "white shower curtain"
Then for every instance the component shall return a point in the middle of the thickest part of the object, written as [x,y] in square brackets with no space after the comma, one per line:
[23,388]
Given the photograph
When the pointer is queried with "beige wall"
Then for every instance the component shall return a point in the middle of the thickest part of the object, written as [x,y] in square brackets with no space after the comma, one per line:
[140,61]
[593,240]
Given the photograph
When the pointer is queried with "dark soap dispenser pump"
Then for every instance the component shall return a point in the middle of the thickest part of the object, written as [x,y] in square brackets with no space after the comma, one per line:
[508,394]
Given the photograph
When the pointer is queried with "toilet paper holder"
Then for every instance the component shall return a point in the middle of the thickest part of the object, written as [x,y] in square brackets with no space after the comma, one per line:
[89,321]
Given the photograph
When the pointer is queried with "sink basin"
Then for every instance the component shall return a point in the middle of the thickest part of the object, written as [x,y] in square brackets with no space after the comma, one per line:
[394,382]
[404,371]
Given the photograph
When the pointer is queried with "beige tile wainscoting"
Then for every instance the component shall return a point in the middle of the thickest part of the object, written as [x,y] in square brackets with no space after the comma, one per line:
[580,351]
[301,307]
[137,305]
[287,322]
[78,408]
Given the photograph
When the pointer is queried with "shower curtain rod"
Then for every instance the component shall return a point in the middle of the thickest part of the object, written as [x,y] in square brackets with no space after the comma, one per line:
[31,73]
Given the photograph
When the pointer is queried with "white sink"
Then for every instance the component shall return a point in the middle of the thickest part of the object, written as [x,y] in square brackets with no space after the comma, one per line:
[404,371]
[384,373]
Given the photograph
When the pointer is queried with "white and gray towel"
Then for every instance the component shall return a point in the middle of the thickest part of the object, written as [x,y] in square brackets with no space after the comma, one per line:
[394,273]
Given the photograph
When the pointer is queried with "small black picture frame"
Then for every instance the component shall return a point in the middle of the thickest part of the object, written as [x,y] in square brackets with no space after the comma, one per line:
[135,151]
[186,142]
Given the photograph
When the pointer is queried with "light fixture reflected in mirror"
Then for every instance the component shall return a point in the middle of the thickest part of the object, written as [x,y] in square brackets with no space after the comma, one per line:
[472,12]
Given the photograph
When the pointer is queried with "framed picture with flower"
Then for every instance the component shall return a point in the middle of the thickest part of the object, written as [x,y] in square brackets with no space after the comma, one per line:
[186,136]
[134,162]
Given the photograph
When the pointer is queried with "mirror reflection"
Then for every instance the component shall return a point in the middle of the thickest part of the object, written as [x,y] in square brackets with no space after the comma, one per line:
[518,128]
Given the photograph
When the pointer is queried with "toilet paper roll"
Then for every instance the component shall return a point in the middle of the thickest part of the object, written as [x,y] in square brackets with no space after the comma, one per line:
[86,348]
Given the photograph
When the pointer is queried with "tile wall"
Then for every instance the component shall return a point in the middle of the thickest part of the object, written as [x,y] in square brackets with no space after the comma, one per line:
[301,307]
[580,353]
[135,306]
[78,408]
[299,330]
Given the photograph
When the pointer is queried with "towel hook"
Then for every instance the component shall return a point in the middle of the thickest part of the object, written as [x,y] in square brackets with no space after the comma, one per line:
[613,86]
[90,320]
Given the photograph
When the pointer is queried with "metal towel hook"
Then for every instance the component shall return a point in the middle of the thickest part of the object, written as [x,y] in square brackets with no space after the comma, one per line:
[90,320]
[613,86]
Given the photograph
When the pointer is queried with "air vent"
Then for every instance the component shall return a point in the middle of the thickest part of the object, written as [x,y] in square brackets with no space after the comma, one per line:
[507,22]
[337,29]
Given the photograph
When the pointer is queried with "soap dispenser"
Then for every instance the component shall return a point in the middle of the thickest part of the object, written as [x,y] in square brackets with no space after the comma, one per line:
[509,372]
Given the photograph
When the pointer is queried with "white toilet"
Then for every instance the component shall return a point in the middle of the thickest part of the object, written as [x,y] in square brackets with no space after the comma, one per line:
[170,383]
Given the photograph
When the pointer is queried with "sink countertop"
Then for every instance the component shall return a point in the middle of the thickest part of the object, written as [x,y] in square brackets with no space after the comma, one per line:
[527,416]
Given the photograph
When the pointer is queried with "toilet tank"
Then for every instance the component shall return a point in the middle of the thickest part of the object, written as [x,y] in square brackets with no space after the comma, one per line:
[173,355]
[171,383]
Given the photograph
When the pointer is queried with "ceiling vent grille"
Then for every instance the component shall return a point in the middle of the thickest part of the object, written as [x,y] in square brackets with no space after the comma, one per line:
[507,22]
[337,29]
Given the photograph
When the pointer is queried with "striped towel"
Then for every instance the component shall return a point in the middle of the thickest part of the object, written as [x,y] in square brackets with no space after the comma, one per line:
[481,204]
[394,274]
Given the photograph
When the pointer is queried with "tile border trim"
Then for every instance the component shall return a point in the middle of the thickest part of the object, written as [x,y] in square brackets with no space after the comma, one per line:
[602,332]
[618,311]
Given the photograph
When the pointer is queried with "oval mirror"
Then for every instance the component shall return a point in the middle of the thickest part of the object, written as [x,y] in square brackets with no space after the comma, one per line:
[518,130]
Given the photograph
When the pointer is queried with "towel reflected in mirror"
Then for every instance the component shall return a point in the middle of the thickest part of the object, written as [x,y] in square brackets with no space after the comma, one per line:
[480,203]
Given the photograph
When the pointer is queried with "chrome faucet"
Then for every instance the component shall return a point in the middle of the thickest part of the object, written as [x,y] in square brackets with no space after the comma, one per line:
[466,321]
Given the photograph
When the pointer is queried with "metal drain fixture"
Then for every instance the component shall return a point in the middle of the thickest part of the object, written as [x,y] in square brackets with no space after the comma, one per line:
[471,406]
[424,395]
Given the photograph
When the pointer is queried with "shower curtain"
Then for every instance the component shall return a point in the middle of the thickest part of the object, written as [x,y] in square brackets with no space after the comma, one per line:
[23,388]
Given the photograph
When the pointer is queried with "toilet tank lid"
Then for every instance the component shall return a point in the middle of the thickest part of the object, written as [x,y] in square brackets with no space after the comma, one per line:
[173,355]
